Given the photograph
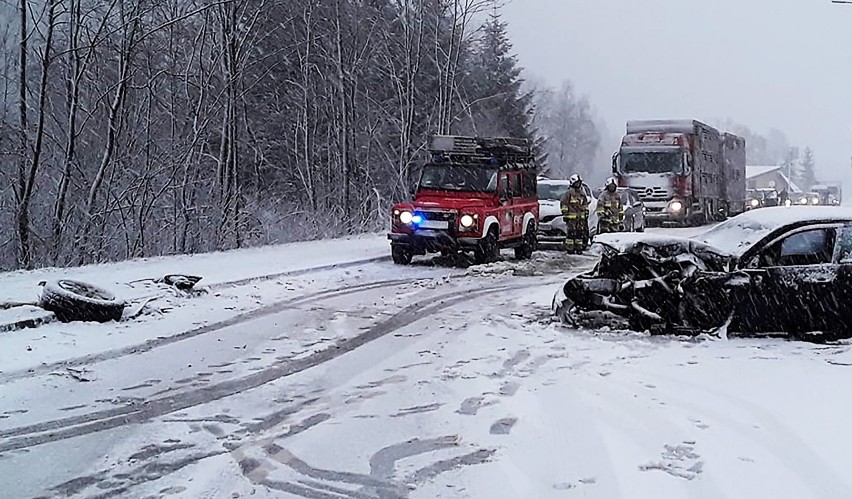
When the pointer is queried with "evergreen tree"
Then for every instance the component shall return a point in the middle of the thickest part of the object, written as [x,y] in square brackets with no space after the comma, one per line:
[806,173]
[498,103]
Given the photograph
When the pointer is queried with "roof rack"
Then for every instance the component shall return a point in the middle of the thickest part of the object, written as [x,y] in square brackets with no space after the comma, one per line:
[462,149]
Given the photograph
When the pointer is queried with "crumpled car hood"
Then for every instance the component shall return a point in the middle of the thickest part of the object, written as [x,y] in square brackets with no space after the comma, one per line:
[659,247]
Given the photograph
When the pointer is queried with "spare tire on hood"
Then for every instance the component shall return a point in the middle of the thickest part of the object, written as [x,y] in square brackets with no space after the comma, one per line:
[80,301]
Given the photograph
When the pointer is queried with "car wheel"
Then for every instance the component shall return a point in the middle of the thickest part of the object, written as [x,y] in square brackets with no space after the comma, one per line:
[400,255]
[526,249]
[80,301]
[488,250]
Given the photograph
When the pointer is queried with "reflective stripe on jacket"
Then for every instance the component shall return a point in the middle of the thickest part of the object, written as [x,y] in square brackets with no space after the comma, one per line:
[610,206]
[574,204]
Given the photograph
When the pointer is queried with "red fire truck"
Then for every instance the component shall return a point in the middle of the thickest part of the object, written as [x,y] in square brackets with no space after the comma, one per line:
[684,171]
[475,194]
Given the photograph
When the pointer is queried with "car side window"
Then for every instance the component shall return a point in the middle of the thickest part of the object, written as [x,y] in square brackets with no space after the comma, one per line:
[515,185]
[810,247]
[504,186]
[528,188]
[844,245]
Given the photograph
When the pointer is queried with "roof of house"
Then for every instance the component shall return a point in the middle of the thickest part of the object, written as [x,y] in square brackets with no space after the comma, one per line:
[753,171]
[756,171]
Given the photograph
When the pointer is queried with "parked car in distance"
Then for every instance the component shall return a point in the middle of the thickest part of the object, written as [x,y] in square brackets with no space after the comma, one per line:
[634,211]
[762,198]
[775,270]
[551,226]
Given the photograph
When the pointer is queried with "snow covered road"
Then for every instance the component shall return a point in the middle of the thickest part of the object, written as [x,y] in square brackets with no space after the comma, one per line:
[376,381]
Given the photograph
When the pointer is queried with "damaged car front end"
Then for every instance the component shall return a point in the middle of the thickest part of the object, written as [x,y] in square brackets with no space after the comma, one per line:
[774,271]
[657,284]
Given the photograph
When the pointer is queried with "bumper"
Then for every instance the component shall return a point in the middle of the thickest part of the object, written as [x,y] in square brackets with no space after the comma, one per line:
[664,216]
[547,233]
[432,241]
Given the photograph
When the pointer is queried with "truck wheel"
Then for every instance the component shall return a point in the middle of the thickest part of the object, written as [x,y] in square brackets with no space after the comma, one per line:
[488,250]
[400,255]
[80,301]
[528,246]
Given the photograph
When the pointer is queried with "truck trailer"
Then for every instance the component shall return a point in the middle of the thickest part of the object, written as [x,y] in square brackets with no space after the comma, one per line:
[686,172]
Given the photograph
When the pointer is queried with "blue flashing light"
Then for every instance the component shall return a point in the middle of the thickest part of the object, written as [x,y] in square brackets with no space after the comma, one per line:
[437,158]
[494,160]
[417,219]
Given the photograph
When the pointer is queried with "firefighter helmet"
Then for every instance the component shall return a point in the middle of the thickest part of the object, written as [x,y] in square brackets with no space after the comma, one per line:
[611,184]
[575,180]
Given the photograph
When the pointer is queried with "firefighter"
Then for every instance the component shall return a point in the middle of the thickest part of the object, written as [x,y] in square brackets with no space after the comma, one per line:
[575,212]
[610,209]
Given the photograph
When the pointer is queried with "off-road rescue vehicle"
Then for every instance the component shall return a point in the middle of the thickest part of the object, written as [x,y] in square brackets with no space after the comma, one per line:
[475,194]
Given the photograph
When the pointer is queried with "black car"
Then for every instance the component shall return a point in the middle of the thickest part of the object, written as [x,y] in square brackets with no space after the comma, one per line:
[775,270]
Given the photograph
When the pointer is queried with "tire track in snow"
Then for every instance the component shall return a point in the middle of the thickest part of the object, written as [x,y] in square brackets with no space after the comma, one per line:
[62,429]
[201,330]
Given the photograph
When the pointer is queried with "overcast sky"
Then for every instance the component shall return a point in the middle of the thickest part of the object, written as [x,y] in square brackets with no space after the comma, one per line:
[764,63]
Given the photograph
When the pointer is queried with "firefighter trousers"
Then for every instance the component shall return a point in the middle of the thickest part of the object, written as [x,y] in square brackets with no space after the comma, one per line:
[577,234]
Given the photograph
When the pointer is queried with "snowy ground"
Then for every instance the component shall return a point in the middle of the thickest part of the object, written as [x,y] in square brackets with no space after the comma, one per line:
[369,380]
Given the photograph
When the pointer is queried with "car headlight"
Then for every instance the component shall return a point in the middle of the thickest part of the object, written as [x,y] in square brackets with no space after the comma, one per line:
[466,221]
[675,206]
[754,203]
[815,201]
[803,201]
[788,203]
[406,217]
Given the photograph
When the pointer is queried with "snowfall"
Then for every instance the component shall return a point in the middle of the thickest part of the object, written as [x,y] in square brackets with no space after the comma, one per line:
[321,370]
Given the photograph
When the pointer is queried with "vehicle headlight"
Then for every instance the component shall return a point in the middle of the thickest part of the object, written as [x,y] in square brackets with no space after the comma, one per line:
[815,201]
[406,217]
[788,203]
[754,203]
[466,221]
[675,206]
[803,201]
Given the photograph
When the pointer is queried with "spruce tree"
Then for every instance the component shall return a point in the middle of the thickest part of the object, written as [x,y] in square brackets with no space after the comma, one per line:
[499,105]
[807,175]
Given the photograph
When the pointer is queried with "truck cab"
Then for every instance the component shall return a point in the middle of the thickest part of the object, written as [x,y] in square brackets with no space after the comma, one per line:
[685,172]
[474,195]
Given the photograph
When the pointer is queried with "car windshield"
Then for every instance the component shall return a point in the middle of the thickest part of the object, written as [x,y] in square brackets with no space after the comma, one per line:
[459,178]
[551,191]
[651,162]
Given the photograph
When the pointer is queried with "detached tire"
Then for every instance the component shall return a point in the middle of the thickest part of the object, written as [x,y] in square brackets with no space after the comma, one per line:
[74,301]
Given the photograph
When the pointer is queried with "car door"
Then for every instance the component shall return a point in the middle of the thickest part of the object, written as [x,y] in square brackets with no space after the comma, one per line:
[505,212]
[794,283]
[843,290]
[518,203]
[629,211]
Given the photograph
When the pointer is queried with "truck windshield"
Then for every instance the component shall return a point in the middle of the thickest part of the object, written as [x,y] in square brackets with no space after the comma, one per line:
[551,192]
[459,178]
[651,162]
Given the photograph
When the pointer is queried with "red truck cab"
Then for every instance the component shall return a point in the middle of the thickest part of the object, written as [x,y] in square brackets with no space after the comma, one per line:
[684,171]
[475,194]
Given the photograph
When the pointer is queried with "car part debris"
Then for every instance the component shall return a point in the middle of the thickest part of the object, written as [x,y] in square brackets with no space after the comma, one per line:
[180,281]
[74,301]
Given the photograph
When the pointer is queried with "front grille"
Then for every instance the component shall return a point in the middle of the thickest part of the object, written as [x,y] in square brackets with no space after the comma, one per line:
[447,216]
[652,193]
